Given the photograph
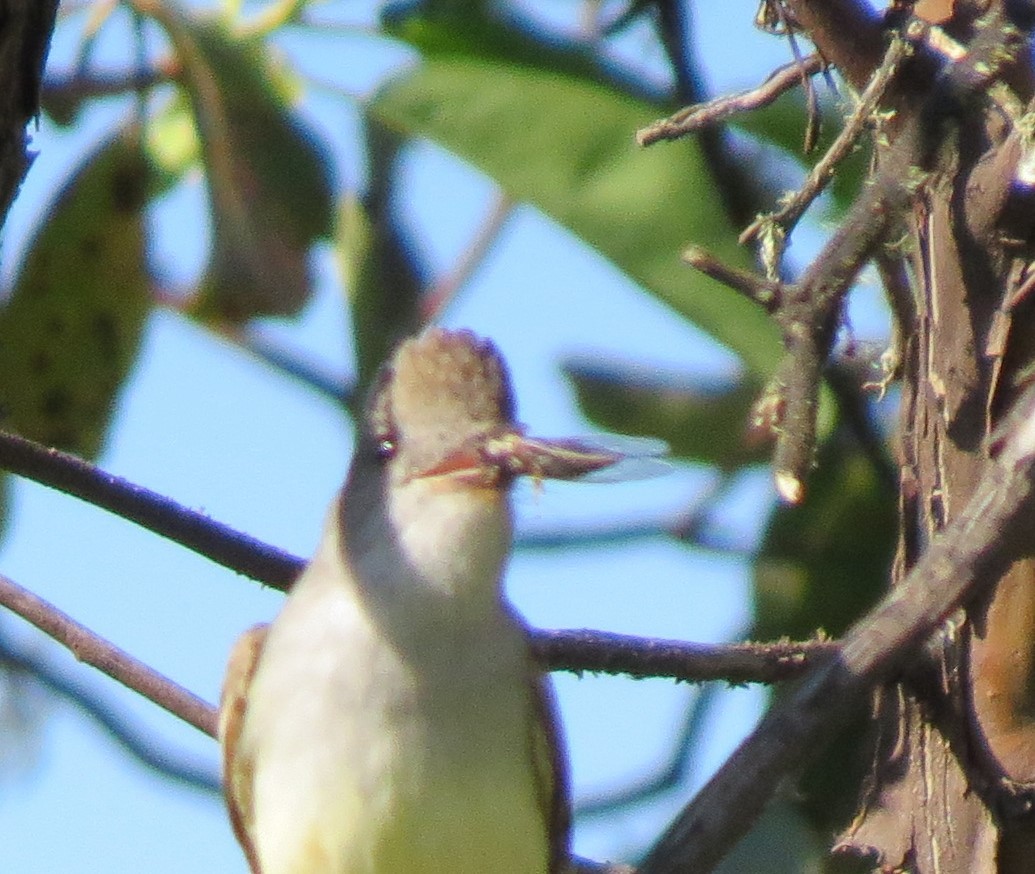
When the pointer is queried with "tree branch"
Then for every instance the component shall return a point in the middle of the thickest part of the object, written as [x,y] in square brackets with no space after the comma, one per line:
[217,542]
[781,223]
[135,740]
[108,658]
[808,311]
[701,115]
[993,530]
[24,44]
[604,652]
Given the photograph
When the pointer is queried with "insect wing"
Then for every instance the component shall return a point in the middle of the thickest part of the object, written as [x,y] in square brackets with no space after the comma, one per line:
[636,458]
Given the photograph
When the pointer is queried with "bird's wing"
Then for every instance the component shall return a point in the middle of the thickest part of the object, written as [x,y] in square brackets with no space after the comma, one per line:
[237,774]
[551,769]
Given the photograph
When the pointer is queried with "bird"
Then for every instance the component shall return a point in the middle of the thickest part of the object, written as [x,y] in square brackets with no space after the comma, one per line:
[391,719]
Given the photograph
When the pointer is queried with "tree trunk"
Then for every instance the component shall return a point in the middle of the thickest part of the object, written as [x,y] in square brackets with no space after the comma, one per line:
[955,761]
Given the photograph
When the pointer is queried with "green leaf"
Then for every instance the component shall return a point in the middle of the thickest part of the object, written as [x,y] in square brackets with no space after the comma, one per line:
[171,140]
[268,179]
[696,421]
[377,265]
[780,842]
[814,571]
[70,331]
[564,142]
[821,566]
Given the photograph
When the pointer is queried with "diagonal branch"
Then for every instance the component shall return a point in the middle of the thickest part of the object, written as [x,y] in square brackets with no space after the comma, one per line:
[107,658]
[133,738]
[692,118]
[220,543]
[994,529]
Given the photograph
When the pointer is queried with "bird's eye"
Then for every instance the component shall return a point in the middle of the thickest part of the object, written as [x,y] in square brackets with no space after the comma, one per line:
[385,448]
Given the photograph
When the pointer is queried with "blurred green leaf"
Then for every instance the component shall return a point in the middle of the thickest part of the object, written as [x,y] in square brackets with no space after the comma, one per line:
[377,264]
[780,842]
[171,140]
[821,566]
[699,422]
[814,570]
[467,29]
[70,331]
[268,175]
[565,144]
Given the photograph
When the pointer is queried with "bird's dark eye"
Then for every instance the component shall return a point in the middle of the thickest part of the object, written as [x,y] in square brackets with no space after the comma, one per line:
[385,448]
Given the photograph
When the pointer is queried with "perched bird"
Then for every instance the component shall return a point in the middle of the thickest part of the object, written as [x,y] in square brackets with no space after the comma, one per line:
[390,720]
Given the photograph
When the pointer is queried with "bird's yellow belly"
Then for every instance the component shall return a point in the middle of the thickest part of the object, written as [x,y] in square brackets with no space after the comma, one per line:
[412,812]
[386,772]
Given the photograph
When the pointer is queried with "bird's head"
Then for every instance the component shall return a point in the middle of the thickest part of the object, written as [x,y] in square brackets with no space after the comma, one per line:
[438,451]
[443,410]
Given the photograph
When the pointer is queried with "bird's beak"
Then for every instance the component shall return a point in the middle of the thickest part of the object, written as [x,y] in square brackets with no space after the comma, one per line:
[497,457]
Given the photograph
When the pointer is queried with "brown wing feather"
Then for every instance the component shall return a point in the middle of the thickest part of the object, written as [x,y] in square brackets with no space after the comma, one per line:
[237,783]
[551,769]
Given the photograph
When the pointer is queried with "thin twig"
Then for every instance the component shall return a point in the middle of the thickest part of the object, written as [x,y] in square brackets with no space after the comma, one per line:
[861,117]
[693,118]
[438,297]
[767,293]
[897,289]
[603,652]
[137,740]
[118,664]
[73,90]
[294,366]
[809,310]
[786,25]
[848,33]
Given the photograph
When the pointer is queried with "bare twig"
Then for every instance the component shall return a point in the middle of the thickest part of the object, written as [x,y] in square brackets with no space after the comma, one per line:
[975,549]
[606,653]
[71,91]
[767,293]
[787,25]
[134,739]
[438,297]
[294,366]
[693,118]
[861,117]
[152,511]
[108,658]
[895,279]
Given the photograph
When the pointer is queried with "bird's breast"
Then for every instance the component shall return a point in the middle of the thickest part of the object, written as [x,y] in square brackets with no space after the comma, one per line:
[372,758]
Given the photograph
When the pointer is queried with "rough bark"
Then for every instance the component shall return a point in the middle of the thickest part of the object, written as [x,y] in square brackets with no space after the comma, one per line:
[951,787]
